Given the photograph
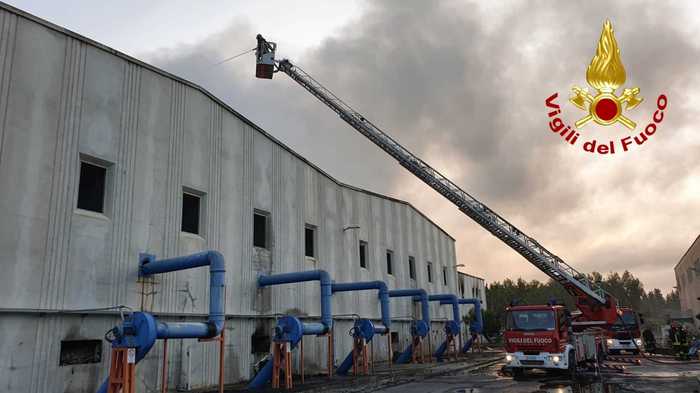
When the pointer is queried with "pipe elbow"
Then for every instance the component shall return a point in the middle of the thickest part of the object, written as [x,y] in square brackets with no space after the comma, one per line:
[217,262]
[324,277]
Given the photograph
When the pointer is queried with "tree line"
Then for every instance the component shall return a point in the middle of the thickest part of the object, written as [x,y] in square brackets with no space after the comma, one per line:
[654,306]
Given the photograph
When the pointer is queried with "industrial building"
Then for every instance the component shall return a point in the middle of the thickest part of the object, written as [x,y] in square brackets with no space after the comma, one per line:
[103,157]
[472,287]
[688,281]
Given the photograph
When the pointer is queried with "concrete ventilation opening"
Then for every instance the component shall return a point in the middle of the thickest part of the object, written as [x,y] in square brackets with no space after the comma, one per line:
[190,213]
[261,230]
[444,276]
[363,254]
[260,341]
[395,345]
[389,262]
[310,241]
[91,187]
[80,352]
[430,272]
[412,268]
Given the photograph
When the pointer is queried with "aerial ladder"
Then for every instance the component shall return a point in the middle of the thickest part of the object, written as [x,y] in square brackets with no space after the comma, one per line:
[595,304]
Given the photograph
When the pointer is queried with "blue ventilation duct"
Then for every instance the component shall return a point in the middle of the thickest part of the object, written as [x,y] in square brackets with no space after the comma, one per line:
[140,330]
[364,328]
[451,327]
[369,285]
[475,327]
[310,275]
[289,328]
[420,327]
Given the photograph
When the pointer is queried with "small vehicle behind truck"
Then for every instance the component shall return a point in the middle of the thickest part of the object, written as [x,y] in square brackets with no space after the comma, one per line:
[540,337]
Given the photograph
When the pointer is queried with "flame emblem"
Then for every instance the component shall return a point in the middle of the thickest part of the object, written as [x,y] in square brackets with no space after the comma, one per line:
[606,74]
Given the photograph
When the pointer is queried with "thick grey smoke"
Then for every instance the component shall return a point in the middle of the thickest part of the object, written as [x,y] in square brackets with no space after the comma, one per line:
[464,88]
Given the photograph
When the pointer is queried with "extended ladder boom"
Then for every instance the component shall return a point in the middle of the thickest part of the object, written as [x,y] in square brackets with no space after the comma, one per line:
[576,283]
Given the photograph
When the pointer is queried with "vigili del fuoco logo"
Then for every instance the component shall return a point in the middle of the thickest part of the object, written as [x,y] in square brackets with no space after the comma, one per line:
[604,107]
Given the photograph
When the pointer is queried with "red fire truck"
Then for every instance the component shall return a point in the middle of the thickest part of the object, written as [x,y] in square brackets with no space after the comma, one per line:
[540,337]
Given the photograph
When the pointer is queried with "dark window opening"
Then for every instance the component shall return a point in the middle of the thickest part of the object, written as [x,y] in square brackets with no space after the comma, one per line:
[80,352]
[190,213]
[260,230]
[363,254]
[461,288]
[309,240]
[412,268]
[260,341]
[430,272]
[444,276]
[91,187]
[389,262]
[395,339]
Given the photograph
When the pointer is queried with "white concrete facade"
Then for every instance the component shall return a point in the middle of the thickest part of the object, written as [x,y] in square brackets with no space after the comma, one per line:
[63,99]
[473,287]
[687,272]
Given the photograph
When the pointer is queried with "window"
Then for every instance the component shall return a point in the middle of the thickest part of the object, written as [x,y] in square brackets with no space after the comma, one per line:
[191,205]
[261,231]
[91,187]
[260,341]
[363,254]
[389,262]
[80,352]
[461,288]
[310,241]
[412,268]
[430,272]
[444,276]
[395,340]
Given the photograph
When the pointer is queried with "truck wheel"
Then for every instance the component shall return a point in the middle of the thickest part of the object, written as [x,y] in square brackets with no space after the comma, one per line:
[572,366]
[517,372]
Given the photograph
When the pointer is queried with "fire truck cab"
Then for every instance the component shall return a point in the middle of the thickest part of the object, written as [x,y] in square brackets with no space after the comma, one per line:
[538,336]
[625,334]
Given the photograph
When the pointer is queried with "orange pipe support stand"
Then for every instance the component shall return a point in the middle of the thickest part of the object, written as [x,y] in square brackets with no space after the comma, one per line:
[222,341]
[122,371]
[164,378]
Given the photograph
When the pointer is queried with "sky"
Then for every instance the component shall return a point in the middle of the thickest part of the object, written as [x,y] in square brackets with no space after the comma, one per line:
[463,85]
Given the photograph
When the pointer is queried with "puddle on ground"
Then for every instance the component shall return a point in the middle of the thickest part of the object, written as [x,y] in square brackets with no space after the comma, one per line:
[588,387]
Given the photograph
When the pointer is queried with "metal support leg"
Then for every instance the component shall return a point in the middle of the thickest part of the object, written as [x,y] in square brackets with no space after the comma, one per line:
[222,345]
[164,378]
[301,359]
[330,354]
[122,371]
[391,352]
[371,351]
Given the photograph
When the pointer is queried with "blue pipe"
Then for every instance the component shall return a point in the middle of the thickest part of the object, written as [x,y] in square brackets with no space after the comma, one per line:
[406,355]
[368,285]
[140,330]
[217,269]
[310,275]
[417,294]
[478,326]
[451,328]
[261,378]
[448,298]
[468,345]
[290,328]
